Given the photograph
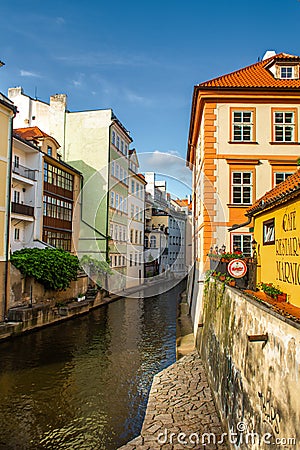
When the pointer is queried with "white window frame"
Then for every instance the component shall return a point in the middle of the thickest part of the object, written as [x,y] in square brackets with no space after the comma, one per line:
[284,126]
[286,69]
[284,174]
[242,246]
[242,125]
[242,187]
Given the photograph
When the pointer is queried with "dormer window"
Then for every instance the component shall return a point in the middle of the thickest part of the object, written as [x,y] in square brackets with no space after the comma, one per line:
[286,72]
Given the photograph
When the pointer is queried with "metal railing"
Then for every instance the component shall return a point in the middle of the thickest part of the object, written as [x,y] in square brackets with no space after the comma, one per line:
[19,208]
[24,171]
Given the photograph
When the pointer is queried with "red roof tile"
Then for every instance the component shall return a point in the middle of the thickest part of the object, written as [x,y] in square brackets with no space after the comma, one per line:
[281,193]
[184,203]
[256,76]
[30,133]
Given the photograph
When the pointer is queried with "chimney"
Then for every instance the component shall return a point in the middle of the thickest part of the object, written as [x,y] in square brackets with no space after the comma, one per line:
[269,54]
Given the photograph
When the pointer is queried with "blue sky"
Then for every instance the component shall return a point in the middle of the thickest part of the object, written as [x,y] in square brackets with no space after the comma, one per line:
[141,59]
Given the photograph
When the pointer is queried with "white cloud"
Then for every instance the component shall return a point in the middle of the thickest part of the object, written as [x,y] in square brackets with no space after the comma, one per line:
[26,73]
[169,165]
[135,98]
[60,21]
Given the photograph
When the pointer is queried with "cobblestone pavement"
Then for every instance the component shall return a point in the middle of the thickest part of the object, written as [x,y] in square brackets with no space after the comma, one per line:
[180,401]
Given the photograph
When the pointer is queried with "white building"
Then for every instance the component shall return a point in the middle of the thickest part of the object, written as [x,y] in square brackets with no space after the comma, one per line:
[26,195]
[136,221]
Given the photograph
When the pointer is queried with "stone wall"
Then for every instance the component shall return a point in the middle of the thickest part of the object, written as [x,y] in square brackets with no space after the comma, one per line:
[255,383]
[20,290]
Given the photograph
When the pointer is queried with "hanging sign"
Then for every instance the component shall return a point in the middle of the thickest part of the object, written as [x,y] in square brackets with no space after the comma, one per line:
[237,268]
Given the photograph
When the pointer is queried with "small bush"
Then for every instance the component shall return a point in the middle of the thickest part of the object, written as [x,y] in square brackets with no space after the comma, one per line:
[54,268]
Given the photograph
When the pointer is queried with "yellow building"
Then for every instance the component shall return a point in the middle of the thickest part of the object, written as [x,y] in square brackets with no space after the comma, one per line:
[277,233]
[7,113]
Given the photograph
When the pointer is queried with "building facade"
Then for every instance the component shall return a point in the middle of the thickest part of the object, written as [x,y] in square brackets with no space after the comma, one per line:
[57,193]
[7,113]
[276,218]
[26,194]
[243,139]
[136,222]
[97,144]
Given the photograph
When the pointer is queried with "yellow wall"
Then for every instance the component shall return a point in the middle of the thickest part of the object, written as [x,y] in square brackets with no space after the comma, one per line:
[280,262]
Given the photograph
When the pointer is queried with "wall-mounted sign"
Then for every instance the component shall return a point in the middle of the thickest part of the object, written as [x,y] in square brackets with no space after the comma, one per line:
[237,268]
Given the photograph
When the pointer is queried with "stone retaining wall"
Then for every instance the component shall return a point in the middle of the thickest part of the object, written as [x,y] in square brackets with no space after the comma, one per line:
[255,383]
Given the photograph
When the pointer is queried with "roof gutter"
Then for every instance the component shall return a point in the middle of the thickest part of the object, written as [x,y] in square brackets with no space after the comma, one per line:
[245,224]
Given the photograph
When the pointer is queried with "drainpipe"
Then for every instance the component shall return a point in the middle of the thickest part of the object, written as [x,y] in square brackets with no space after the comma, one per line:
[7,237]
[108,187]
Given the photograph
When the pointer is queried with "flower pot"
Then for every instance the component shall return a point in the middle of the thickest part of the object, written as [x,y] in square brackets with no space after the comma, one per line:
[281,297]
[231,283]
[222,278]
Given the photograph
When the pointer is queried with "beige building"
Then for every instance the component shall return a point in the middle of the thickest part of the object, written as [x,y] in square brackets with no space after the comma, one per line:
[136,221]
[243,140]
[7,112]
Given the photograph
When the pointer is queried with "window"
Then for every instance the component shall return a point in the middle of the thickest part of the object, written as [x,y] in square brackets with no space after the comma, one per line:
[130,260]
[111,230]
[269,232]
[16,196]
[113,138]
[112,199]
[49,150]
[132,187]
[16,161]
[58,177]
[284,126]
[242,188]
[117,201]
[118,142]
[121,174]
[153,242]
[135,259]
[146,242]
[113,168]
[136,236]
[131,236]
[132,211]
[117,171]
[141,237]
[242,126]
[122,146]
[58,239]
[279,177]
[286,72]
[17,234]
[242,243]
[126,149]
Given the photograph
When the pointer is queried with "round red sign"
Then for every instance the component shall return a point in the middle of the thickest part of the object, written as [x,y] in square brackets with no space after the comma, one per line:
[237,268]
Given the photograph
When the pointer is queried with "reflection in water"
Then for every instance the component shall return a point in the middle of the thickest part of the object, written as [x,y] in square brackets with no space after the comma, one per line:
[83,384]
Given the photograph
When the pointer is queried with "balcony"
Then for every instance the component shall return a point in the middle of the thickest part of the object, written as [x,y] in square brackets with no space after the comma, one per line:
[24,171]
[19,208]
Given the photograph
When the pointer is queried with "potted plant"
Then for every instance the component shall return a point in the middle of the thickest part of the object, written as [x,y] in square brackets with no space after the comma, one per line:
[222,276]
[282,297]
[270,289]
[80,297]
[230,281]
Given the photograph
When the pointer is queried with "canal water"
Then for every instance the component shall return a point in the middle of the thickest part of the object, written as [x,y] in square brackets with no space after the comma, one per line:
[83,384]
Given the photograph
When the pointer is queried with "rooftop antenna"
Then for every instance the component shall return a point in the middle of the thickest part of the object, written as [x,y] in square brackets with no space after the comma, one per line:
[35,92]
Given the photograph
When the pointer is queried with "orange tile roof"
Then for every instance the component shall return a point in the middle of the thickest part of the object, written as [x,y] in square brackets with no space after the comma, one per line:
[184,203]
[29,133]
[281,193]
[256,75]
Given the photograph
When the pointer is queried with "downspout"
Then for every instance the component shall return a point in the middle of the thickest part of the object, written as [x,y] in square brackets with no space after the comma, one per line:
[7,237]
[108,187]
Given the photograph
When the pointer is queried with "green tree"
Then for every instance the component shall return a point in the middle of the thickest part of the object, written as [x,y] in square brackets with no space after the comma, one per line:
[54,268]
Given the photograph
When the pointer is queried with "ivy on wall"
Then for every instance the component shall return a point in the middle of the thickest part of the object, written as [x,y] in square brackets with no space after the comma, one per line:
[54,268]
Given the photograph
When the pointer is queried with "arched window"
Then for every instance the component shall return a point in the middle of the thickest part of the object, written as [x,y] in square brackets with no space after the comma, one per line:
[146,242]
[152,241]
